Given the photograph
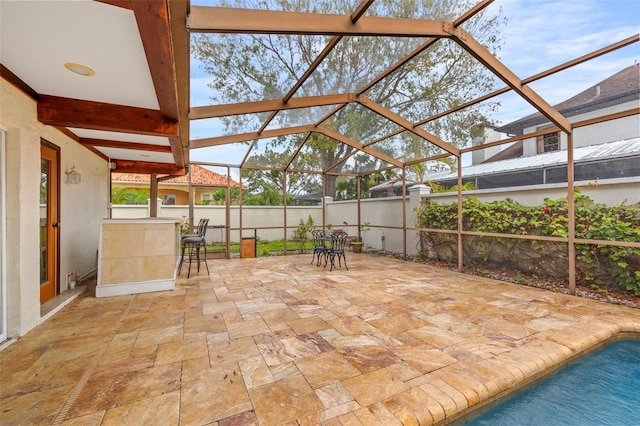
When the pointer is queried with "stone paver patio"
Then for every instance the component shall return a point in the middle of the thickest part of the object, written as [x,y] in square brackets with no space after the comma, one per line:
[278,341]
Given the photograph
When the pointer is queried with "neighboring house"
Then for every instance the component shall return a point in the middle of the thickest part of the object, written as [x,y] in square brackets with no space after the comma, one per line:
[620,92]
[314,199]
[176,190]
[391,188]
[605,150]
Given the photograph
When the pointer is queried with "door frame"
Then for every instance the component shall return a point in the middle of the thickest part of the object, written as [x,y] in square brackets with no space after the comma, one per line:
[3,237]
[53,217]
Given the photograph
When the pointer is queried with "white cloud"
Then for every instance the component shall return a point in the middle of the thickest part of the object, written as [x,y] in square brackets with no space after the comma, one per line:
[542,34]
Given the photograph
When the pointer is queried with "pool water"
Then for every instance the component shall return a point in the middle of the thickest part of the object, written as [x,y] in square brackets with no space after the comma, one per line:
[600,389]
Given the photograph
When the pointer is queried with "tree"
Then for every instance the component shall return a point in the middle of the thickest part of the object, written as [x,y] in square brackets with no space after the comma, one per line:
[220,196]
[259,67]
[297,183]
[122,195]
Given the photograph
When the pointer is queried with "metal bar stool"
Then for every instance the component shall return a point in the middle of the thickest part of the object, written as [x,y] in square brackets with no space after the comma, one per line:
[192,243]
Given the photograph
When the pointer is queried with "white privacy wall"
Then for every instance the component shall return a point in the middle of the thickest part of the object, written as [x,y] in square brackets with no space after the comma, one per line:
[383,215]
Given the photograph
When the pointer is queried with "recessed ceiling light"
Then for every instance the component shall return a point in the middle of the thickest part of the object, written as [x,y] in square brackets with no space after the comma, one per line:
[79,69]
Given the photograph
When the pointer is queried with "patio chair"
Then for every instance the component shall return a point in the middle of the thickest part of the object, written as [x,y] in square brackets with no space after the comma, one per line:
[192,243]
[319,245]
[338,243]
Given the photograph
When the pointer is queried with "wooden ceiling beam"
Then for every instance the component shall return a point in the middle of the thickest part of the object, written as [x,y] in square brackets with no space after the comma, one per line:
[180,41]
[128,166]
[250,21]
[17,82]
[152,17]
[104,143]
[213,111]
[67,112]
[125,4]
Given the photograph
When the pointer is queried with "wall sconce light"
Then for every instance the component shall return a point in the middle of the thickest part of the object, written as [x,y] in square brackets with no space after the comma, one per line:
[73,176]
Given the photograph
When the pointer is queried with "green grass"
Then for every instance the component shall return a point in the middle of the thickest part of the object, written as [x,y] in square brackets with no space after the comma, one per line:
[265,248]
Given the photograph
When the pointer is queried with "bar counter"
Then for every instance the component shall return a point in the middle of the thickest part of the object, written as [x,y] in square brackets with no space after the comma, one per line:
[137,255]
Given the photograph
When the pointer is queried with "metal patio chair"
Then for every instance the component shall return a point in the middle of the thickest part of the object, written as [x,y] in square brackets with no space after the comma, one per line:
[319,245]
[337,249]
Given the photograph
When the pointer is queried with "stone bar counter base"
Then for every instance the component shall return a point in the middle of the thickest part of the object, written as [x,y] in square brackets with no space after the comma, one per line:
[137,256]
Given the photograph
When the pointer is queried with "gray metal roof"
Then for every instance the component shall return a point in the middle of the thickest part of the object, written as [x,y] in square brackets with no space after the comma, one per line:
[617,149]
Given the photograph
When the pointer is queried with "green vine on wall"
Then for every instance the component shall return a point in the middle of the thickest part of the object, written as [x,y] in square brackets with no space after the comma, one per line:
[598,265]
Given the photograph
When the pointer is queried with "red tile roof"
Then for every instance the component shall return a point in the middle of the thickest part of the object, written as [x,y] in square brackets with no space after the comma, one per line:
[199,176]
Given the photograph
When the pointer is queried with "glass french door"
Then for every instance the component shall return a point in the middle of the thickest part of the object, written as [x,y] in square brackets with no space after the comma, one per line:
[49,201]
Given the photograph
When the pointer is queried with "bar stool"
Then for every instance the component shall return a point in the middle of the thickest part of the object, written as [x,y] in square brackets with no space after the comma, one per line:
[192,243]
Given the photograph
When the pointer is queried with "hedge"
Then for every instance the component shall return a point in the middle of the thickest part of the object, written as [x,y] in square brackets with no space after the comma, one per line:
[596,265]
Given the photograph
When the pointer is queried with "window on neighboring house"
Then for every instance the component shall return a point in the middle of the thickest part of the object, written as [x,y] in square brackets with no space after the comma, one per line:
[169,199]
[205,197]
[549,142]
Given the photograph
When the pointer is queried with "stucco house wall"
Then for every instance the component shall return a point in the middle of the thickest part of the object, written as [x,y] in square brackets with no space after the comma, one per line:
[81,207]
[608,131]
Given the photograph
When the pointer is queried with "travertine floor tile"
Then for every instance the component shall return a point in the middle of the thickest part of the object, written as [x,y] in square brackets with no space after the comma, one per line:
[213,394]
[328,367]
[278,341]
[164,409]
[308,325]
[284,401]
[180,350]
[110,391]
[375,386]
[255,372]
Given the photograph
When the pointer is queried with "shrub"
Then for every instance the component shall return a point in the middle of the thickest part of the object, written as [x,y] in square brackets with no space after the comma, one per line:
[598,265]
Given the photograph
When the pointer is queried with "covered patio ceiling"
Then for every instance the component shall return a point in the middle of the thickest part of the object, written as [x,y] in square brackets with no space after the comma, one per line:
[112,75]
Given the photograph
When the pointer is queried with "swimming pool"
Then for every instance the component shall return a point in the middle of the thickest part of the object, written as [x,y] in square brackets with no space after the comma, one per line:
[600,389]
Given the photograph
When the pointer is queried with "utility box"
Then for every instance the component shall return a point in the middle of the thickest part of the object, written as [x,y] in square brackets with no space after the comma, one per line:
[248,247]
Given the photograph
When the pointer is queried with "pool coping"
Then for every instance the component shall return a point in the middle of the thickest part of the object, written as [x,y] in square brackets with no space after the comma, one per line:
[475,410]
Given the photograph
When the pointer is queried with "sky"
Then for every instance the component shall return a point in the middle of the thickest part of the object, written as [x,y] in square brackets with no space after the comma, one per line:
[539,35]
